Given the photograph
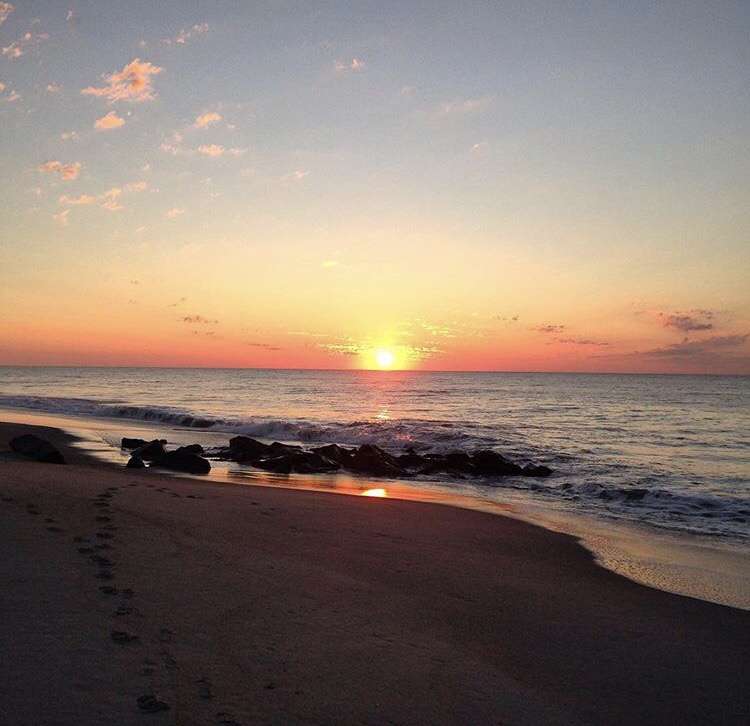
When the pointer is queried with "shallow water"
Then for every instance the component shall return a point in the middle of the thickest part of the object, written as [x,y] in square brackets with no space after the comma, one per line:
[668,452]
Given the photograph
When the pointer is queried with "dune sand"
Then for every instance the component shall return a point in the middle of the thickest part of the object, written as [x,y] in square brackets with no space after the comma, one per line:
[258,605]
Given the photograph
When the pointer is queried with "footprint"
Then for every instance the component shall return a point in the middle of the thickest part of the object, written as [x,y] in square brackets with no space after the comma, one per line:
[122,637]
[55,529]
[85,550]
[151,704]
[226,719]
[79,538]
[108,589]
[49,520]
[101,560]
[128,592]
[104,535]
[104,519]
[204,688]
[7,499]
[165,635]
[103,546]
[104,575]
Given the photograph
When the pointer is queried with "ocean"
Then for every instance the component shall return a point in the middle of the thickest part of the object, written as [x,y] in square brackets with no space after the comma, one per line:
[671,453]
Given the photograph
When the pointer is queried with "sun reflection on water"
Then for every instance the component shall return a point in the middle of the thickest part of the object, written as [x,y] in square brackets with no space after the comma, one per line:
[380,492]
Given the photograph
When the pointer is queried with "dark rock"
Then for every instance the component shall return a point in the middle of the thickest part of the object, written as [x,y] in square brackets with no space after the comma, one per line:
[243,449]
[455,462]
[634,495]
[192,449]
[129,444]
[151,451]
[536,470]
[372,460]
[37,449]
[151,704]
[277,449]
[181,460]
[135,462]
[299,462]
[411,460]
[336,453]
[490,463]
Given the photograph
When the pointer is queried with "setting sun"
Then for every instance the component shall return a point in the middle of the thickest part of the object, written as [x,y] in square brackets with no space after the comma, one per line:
[384,358]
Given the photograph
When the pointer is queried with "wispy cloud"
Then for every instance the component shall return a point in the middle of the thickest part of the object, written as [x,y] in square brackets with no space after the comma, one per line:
[295,176]
[133,83]
[464,106]
[54,88]
[62,217]
[18,47]
[109,121]
[198,320]
[690,348]
[690,321]
[69,136]
[266,346]
[349,66]
[5,10]
[67,172]
[583,342]
[549,328]
[109,200]
[82,199]
[186,34]
[206,119]
[174,212]
[211,150]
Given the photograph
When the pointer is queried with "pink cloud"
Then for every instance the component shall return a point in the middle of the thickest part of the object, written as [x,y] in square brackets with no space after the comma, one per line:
[18,47]
[68,172]
[132,83]
[110,121]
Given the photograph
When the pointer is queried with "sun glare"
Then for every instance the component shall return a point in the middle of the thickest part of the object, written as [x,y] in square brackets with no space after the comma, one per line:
[384,358]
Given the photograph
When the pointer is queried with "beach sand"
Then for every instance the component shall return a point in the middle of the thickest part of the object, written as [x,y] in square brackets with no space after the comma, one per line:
[263,605]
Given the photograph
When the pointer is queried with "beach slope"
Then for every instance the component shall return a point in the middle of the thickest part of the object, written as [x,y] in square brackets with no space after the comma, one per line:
[234,604]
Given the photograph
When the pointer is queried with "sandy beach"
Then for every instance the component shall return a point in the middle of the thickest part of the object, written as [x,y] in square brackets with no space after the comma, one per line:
[241,605]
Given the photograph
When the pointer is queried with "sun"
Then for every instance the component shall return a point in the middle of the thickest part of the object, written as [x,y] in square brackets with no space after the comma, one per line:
[384,358]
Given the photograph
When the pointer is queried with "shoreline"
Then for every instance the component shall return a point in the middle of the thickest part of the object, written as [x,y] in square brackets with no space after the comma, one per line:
[707,569]
[292,607]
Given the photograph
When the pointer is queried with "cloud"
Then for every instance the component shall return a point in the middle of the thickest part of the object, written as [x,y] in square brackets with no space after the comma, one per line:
[583,341]
[480,147]
[83,199]
[174,213]
[296,175]
[69,136]
[689,321]
[211,150]
[353,66]
[28,40]
[110,121]
[266,346]
[132,83]
[465,106]
[68,172]
[198,320]
[549,328]
[690,348]
[109,200]
[207,119]
[12,97]
[54,88]
[62,217]
[5,10]
[186,34]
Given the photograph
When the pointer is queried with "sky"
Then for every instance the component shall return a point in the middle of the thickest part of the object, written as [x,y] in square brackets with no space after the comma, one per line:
[559,186]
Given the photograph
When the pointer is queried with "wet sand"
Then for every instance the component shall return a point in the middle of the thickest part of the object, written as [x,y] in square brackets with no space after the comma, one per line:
[261,605]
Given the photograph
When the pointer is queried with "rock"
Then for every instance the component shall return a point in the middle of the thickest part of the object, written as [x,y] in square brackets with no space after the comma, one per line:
[276,449]
[135,462]
[490,463]
[183,461]
[243,449]
[455,462]
[536,470]
[151,704]
[35,448]
[372,460]
[411,460]
[129,444]
[192,449]
[634,495]
[336,453]
[299,462]
[152,450]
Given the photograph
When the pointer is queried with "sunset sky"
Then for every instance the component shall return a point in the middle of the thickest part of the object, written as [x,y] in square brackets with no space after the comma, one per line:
[479,185]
